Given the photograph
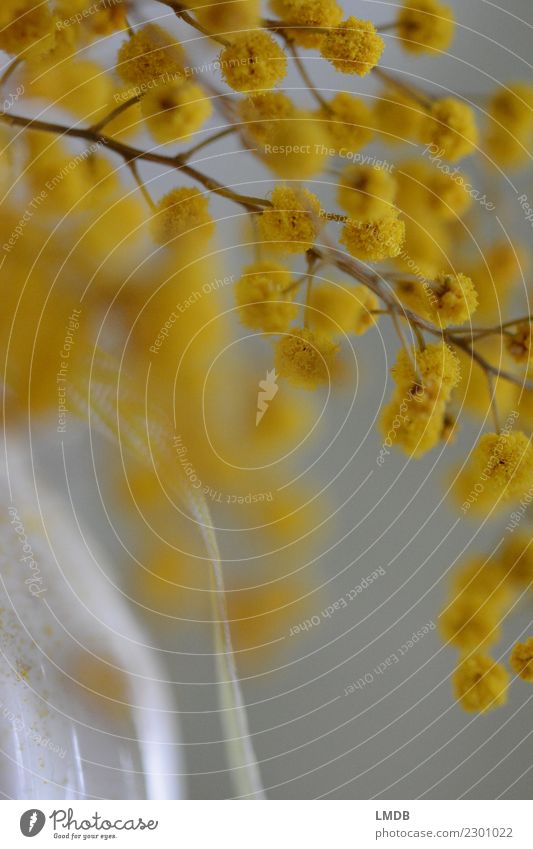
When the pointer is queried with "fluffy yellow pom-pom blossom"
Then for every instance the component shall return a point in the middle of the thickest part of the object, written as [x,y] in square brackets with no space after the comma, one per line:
[470,622]
[518,343]
[119,224]
[182,211]
[505,149]
[83,87]
[227,16]
[149,54]
[501,266]
[347,121]
[415,417]
[366,192]
[480,684]
[261,113]
[296,148]
[374,240]
[480,598]
[174,111]
[512,107]
[414,423]
[521,659]
[263,302]
[253,60]
[451,128]
[367,304]
[437,365]
[398,117]
[290,225]
[48,158]
[516,560]
[450,299]
[509,132]
[353,47]
[28,28]
[310,17]
[305,358]
[425,26]
[336,309]
[442,192]
[483,578]
[501,465]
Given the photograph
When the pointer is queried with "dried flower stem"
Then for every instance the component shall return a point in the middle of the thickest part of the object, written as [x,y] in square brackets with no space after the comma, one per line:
[96,128]
[412,92]
[226,131]
[132,165]
[330,255]
[132,153]
[302,70]
[182,13]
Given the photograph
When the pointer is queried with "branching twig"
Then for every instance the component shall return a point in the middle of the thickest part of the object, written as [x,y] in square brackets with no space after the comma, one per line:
[227,131]
[333,256]
[96,128]
[132,165]
[182,13]
[302,70]
[412,92]
[131,153]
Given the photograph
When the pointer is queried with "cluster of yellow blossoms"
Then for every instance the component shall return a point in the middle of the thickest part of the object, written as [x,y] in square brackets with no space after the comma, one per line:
[416,417]
[139,257]
[483,593]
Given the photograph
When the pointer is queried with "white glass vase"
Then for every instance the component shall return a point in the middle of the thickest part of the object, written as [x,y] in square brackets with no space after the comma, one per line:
[84,710]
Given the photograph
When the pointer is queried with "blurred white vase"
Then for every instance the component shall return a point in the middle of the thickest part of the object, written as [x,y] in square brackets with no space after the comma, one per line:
[84,708]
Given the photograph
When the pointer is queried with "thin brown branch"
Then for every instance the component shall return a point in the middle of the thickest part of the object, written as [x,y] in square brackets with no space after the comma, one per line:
[309,276]
[129,153]
[491,383]
[407,348]
[184,15]
[302,70]
[497,329]
[227,131]
[328,254]
[349,266]
[118,110]
[283,29]
[414,93]
[485,365]
[132,165]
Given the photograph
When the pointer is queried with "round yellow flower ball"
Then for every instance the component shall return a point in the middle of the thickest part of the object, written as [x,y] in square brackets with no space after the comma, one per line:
[353,47]
[374,240]
[296,148]
[480,684]
[290,225]
[264,303]
[310,17]
[253,61]
[425,26]
[174,111]
[150,54]
[451,129]
[365,192]
[521,659]
[305,358]
[348,122]
[183,211]
[261,113]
